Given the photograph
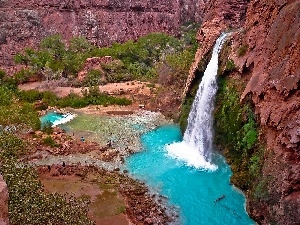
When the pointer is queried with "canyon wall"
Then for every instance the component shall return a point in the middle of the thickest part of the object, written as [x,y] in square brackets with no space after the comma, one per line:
[102,22]
[218,16]
[272,37]
[265,47]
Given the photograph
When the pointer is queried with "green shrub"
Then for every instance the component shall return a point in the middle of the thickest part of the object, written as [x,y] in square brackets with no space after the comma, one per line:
[19,114]
[242,50]
[6,96]
[49,98]
[93,78]
[11,146]
[2,75]
[181,61]
[50,142]
[54,45]
[47,127]
[230,66]
[80,44]
[23,75]
[30,95]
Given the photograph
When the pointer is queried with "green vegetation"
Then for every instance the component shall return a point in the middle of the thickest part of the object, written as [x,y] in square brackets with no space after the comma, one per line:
[92,96]
[28,204]
[230,66]
[14,113]
[242,50]
[93,78]
[2,75]
[236,132]
[47,127]
[131,60]
[53,59]
[50,142]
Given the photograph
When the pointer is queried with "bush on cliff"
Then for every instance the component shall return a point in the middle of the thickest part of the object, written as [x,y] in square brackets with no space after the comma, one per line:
[236,132]
[54,59]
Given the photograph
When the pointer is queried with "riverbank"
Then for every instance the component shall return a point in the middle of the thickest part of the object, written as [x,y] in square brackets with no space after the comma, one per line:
[114,197]
[72,158]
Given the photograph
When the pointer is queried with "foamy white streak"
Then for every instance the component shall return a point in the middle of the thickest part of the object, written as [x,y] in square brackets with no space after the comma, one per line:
[66,118]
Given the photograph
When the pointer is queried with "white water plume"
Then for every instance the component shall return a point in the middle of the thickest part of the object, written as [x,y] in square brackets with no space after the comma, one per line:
[197,144]
[65,118]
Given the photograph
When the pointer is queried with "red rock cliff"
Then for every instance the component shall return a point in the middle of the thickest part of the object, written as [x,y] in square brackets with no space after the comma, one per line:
[271,69]
[26,22]
[272,33]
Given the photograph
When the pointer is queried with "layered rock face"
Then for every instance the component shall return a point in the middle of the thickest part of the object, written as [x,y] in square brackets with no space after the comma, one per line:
[270,65]
[272,34]
[218,16]
[25,23]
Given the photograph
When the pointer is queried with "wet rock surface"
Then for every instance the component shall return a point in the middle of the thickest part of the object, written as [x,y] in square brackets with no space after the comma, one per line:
[273,57]
[218,16]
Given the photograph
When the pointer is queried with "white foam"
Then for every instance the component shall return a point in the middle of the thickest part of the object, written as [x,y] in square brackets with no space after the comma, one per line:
[66,118]
[191,156]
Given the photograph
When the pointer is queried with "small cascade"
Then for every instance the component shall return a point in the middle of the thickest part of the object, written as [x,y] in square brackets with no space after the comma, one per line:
[197,144]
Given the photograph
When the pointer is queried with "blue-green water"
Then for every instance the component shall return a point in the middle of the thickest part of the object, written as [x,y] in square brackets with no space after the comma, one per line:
[51,117]
[193,191]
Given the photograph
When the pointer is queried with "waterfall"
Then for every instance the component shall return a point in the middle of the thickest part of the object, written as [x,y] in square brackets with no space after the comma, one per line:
[197,144]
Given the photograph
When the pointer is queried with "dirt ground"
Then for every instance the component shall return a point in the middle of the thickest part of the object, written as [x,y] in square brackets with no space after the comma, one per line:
[107,207]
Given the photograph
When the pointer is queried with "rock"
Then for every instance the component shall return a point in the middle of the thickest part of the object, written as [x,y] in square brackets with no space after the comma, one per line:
[3,202]
[54,172]
[270,69]
[148,221]
[140,218]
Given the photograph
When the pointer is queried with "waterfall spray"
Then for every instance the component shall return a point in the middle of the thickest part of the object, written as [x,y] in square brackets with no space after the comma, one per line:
[197,144]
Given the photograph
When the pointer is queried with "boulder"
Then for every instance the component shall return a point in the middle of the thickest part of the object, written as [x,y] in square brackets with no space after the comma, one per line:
[3,202]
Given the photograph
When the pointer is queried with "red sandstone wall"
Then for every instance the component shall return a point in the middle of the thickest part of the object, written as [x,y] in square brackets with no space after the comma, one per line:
[26,22]
[271,69]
